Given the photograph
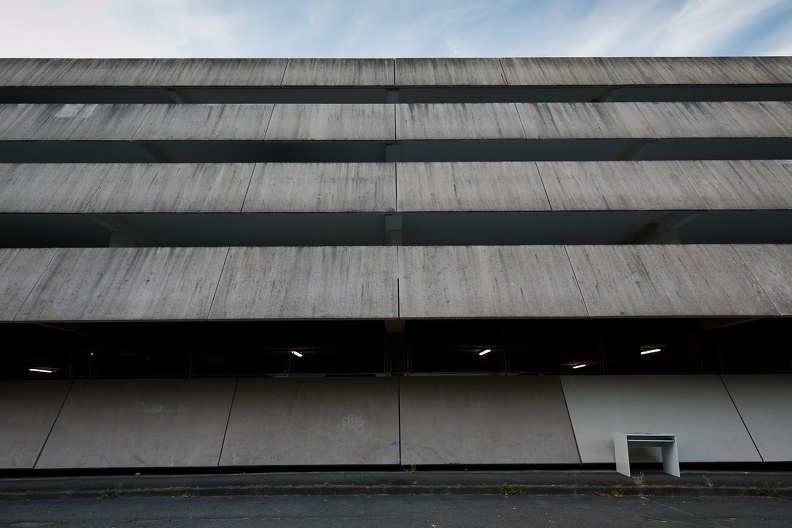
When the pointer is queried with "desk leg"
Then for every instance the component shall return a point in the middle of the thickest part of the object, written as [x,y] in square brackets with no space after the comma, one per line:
[671,459]
[622,453]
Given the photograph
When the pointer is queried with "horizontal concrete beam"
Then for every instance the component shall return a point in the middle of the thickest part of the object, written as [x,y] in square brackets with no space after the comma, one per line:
[404,122]
[99,284]
[550,72]
[387,187]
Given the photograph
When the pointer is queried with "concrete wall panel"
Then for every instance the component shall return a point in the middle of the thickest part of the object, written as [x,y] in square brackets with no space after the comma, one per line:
[220,122]
[172,187]
[339,72]
[229,72]
[332,122]
[322,188]
[487,281]
[9,115]
[76,122]
[551,71]
[449,72]
[119,72]
[485,420]
[711,120]
[617,186]
[755,184]
[49,187]
[772,267]
[458,121]
[308,283]
[667,280]
[763,403]
[140,423]
[498,186]
[306,421]
[695,408]
[631,71]
[27,411]
[583,121]
[781,113]
[97,284]
[20,270]
[33,72]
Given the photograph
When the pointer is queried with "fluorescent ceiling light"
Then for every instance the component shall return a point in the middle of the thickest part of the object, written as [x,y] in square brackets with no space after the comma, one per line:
[43,370]
[579,366]
[650,351]
[296,353]
[485,351]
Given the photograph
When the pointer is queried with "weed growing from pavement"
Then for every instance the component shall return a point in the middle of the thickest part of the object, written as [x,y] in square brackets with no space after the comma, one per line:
[617,491]
[639,479]
[506,489]
[769,490]
[113,493]
[708,481]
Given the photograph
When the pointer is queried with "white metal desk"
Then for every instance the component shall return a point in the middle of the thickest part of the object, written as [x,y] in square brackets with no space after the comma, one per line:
[666,442]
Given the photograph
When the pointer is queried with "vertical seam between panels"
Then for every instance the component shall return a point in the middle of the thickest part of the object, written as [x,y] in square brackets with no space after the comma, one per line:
[569,417]
[228,421]
[544,187]
[52,427]
[756,279]
[574,274]
[720,377]
[247,190]
[217,286]
[22,305]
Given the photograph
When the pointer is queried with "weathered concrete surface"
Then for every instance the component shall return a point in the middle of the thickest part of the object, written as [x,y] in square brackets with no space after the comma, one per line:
[322,188]
[332,122]
[140,423]
[487,281]
[344,282]
[98,284]
[485,420]
[583,121]
[339,72]
[49,187]
[755,184]
[781,113]
[667,280]
[228,72]
[695,408]
[308,421]
[9,115]
[33,72]
[27,412]
[221,122]
[771,265]
[678,70]
[458,121]
[763,403]
[117,72]
[75,122]
[172,187]
[20,270]
[711,120]
[472,186]
[449,72]
[617,186]
[551,71]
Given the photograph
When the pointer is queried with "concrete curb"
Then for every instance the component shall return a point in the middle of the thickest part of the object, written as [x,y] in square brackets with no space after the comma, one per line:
[376,483]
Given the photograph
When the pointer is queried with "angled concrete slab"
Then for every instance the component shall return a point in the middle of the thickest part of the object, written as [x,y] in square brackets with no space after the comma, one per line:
[140,423]
[667,281]
[229,72]
[449,72]
[9,114]
[171,188]
[754,184]
[771,265]
[332,122]
[485,420]
[709,431]
[470,186]
[313,421]
[27,411]
[76,122]
[583,121]
[781,113]
[119,72]
[763,403]
[551,71]
[221,122]
[322,188]
[100,284]
[49,187]
[487,281]
[338,72]
[617,186]
[341,282]
[710,120]
[33,72]
[458,121]
[675,70]
[20,270]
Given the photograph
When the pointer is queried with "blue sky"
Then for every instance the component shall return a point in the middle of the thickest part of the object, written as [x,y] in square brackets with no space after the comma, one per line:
[406,28]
